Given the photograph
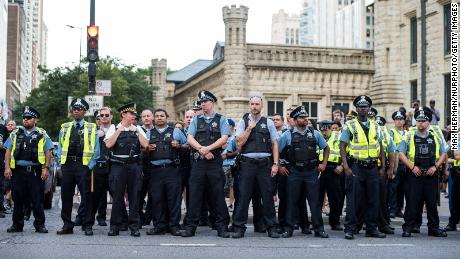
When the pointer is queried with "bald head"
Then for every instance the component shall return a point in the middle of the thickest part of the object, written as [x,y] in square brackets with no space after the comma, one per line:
[188,117]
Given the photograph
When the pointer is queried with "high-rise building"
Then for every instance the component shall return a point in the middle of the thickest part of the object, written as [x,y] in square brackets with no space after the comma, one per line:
[3,46]
[285,28]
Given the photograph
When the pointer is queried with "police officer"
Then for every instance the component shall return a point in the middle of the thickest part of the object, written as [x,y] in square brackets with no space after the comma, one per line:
[165,178]
[362,175]
[300,145]
[78,151]
[455,194]
[207,134]
[257,137]
[423,153]
[146,217]
[27,162]
[3,137]
[125,143]
[330,178]
[396,185]
[101,170]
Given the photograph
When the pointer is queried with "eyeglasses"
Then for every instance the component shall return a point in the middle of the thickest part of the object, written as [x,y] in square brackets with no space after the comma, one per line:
[27,118]
[78,109]
[104,115]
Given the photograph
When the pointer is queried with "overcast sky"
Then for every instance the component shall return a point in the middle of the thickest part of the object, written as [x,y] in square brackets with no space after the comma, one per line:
[137,31]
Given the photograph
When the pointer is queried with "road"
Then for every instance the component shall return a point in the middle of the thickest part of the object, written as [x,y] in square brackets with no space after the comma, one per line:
[207,245]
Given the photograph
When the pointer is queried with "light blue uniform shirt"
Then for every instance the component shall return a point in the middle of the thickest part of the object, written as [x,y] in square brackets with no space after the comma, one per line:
[224,127]
[285,139]
[231,147]
[48,146]
[403,145]
[178,135]
[271,129]
[97,150]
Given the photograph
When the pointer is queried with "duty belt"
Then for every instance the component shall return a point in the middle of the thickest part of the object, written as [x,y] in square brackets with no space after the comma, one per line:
[306,164]
[101,164]
[125,160]
[369,163]
[74,158]
[170,165]
[29,168]
[257,161]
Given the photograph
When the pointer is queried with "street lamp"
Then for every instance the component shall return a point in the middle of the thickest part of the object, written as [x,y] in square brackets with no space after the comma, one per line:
[81,30]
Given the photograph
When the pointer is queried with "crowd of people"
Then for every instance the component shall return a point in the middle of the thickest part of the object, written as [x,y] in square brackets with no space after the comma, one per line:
[151,166]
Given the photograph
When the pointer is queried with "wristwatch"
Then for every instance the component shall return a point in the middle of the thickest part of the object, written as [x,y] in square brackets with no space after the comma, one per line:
[275,163]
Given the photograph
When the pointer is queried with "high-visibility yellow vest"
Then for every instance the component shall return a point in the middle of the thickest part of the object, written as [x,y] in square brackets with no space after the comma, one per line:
[456,162]
[397,136]
[334,150]
[89,141]
[41,146]
[360,147]
[410,142]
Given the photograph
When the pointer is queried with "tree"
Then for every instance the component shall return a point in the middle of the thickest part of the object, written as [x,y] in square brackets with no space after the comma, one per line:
[129,84]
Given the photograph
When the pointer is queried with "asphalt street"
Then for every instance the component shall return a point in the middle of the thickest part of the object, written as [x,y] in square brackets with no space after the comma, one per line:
[207,245]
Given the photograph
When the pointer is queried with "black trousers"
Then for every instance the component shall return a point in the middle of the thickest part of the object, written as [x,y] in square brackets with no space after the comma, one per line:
[207,175]
[396,190]
[252,172]
[165,190]
[296,181]
[146,216]
[330,184]
[99,195]
[302,218]
[24,185]
[362,190]
[455,192]
[2,185]
[257,209]
[75,174]
[125,177]
[422,189]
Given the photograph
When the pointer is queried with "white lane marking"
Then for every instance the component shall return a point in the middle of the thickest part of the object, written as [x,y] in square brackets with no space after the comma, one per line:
[383,245]
[188,245]
[315,246]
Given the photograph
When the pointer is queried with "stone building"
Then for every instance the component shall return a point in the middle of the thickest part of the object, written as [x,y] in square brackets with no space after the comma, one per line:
[285,28]
[404,69]
[322,79]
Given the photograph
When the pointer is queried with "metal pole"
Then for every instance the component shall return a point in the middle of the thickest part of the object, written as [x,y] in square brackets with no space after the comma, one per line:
[424,43]
[92,66]
[92,13]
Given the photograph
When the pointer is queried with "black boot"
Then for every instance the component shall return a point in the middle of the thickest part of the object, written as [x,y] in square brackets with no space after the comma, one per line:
[188,232]
[288,233]
[239,233]
[114,231]
[273,233]
[14,229]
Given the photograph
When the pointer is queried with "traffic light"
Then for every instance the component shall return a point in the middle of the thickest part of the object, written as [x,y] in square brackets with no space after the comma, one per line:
[93,43]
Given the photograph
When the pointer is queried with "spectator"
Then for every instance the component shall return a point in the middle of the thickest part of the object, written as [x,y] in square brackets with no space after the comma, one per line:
[410,114]
[337,115]
[436,113]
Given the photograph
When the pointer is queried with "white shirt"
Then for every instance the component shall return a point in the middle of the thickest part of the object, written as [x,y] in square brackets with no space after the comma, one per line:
[112,130]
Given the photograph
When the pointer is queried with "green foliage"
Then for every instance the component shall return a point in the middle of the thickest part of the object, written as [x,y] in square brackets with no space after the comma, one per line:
[129,84]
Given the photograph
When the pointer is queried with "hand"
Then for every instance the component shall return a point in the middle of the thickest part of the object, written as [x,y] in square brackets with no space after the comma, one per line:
[431,171]
[224,156]
[283,171]
[274,170]
[45,173]
[133,128]
[8,173]
[348,171]
[152,147]
[251,124]
[203,151]
[338,169]
[382,172]
[416,171]
[321,167]
[175,144]
[209,156]
[390,174]
[100,133]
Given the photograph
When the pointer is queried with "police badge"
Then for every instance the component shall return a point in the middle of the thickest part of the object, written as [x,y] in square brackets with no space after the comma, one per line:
[168,135]
[263,126]
[214,124]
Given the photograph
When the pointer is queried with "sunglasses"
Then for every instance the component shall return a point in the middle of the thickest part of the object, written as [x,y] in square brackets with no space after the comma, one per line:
[78,109]
[27,118]
[104,115]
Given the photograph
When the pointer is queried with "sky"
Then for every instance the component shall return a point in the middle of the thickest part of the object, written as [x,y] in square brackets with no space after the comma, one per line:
[137,31]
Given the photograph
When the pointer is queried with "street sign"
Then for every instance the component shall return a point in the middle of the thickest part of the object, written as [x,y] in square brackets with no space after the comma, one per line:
[104,87]
[95,103]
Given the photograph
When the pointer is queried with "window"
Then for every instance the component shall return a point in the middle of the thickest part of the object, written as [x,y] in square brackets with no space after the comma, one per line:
[287,35]
[447,97]
[447,30]
[413,90]
[312,109]
[368,33]
[413,40]
[368,45]
[274,107]
[368,20]
[340,2]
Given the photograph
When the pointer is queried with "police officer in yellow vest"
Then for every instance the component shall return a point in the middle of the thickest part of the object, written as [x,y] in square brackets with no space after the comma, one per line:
[455,192]
[27,159]
[78,151]
[330,178]
[423,153]
[362,175]
[396,191]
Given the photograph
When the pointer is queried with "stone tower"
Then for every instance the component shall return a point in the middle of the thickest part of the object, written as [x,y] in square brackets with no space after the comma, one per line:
[386,92]
[159,81]
[235,58]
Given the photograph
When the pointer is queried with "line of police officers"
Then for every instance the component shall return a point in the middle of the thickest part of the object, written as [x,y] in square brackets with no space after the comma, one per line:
[360,162]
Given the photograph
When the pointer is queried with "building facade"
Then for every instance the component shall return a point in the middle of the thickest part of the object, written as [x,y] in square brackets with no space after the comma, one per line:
[285,28]
[321,79]
[404,69]
[3,46]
